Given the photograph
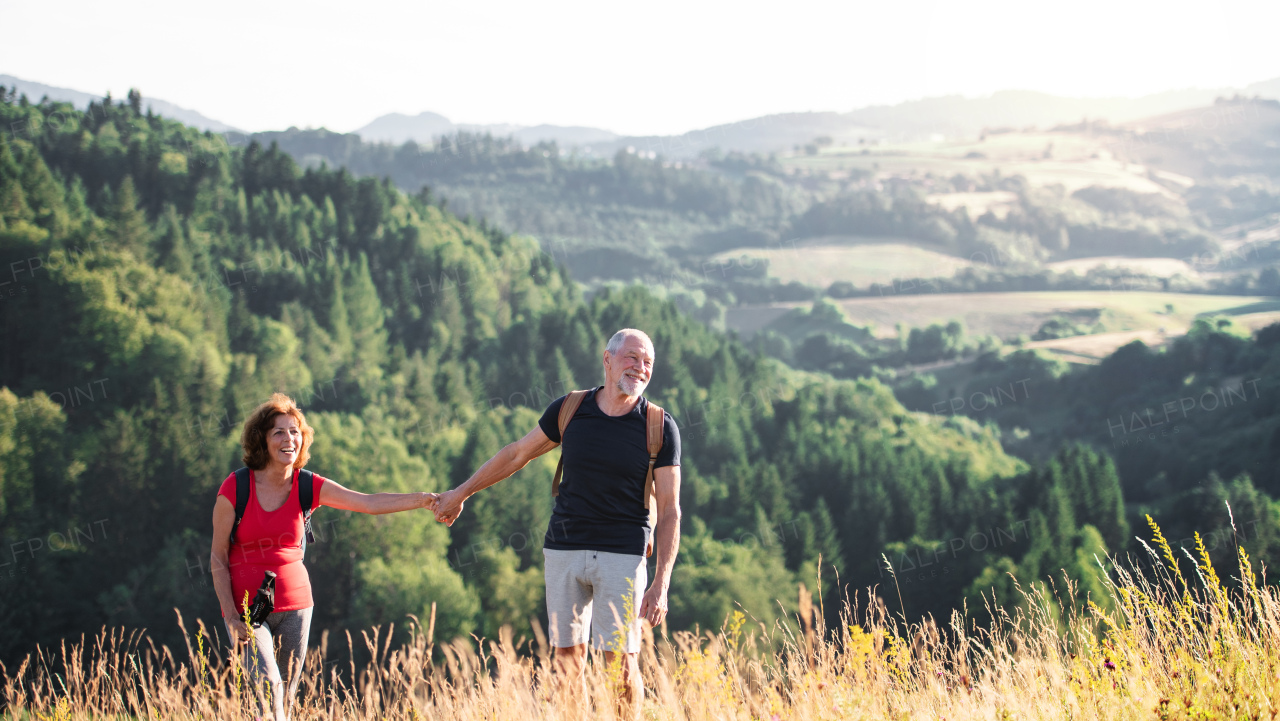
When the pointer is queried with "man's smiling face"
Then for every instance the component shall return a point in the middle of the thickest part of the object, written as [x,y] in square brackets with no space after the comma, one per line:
[630,368]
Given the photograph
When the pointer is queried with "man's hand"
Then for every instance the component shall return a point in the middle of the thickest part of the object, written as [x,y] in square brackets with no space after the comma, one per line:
[511,458]
[654,606]
[448,506]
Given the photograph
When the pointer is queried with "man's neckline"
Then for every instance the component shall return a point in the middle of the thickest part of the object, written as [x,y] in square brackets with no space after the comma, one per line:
[634,408]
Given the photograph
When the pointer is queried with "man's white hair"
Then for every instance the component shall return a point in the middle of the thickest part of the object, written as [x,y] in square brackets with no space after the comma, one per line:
[615,343]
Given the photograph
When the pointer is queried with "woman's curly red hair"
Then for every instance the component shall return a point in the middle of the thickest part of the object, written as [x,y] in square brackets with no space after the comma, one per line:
[253,439]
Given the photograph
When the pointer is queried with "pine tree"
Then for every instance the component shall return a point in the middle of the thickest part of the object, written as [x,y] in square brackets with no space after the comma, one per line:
[77,204]
[365,321]
[1090,551]
[799,540]
[240,213]
[128,223]
[174,253]
[44,192]
[561,376]
[13,204]
[13,200]
[1108,514]
[826,538]
[337,320]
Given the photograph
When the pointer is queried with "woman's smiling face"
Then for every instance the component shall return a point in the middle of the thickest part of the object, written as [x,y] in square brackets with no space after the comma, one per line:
[284,440]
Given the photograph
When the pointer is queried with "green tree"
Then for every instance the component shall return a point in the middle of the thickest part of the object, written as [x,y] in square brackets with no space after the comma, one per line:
[128,223]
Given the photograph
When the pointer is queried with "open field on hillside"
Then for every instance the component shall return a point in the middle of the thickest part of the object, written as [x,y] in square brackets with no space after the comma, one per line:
[1091,349]
[1072,159]
[1157,267]
[1009,315]
[1254,321]
[998,202]
[823,261]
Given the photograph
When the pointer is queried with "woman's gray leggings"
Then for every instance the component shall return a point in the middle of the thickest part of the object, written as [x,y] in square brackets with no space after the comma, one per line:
[279,644]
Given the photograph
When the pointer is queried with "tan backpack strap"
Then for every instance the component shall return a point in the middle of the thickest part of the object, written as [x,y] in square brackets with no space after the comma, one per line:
[653,439]
[653,423]
[567,410]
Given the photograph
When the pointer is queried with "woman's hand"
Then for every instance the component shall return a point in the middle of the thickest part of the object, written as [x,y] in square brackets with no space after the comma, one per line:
[239,632]
[448,506]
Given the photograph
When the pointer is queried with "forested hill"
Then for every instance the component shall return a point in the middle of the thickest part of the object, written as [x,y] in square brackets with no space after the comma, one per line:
[627,217]
[158,284]
[638,217]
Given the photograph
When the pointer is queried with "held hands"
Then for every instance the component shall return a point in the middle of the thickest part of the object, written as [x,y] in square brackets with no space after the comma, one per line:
[653,608]
[447,506]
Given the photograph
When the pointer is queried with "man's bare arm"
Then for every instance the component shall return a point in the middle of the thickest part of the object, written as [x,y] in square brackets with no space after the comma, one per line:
[503,464]
[666,482]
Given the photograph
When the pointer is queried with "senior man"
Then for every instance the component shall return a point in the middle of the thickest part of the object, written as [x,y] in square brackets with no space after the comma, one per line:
[600,530]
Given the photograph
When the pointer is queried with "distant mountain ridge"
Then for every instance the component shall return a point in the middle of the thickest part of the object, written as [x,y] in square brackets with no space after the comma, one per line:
[424,128]
[34,91]
[952,116]
[948,116]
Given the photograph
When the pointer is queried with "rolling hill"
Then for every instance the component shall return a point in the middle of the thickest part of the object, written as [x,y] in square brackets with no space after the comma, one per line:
[1091,200]
[949,117]
[35,91]
[425,128]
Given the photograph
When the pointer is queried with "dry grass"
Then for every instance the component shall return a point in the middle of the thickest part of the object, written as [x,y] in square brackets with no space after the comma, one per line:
[1173,648]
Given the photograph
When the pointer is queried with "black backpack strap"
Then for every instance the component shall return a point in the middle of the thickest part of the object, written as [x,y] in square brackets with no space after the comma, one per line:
[306,497]
[242,498]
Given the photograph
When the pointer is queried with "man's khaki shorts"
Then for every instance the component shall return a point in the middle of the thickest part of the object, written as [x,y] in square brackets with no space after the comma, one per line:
[595,595]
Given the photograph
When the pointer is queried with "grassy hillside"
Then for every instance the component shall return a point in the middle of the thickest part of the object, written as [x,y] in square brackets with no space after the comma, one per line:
[1068,158]
[861,261]
[169,283]
[1010,315]
[163,283]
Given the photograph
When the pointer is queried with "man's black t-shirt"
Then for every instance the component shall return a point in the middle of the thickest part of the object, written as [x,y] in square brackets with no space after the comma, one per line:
[601,501]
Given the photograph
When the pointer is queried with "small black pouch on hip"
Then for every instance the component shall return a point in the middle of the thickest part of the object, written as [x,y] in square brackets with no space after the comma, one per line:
[265,600]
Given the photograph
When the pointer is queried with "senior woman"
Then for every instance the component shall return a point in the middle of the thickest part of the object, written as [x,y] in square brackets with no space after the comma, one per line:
[276,441]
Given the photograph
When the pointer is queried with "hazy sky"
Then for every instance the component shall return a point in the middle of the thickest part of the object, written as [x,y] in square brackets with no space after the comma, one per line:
[636,68]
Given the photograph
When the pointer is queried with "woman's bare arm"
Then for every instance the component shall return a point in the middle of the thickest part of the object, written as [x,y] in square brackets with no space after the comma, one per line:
[334,495]
[224,517]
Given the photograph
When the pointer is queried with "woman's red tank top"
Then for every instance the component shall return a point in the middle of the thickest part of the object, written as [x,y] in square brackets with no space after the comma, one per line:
[270,541]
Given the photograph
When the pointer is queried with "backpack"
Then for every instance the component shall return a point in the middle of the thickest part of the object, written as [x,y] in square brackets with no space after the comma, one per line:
[306,489]
[653,440]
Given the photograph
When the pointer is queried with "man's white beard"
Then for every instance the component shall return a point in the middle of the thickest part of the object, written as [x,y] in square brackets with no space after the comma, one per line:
[631,386]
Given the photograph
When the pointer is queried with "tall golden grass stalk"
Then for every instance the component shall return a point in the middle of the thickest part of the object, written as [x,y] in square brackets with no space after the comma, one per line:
[1171,649]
